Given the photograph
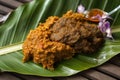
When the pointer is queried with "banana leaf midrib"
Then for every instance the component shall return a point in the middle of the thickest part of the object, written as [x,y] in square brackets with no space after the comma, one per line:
[10,48]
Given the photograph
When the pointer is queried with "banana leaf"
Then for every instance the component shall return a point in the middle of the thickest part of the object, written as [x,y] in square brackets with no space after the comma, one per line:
[26,17]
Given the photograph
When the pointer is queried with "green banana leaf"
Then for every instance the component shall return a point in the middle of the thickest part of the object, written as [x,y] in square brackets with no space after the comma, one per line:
[26,17]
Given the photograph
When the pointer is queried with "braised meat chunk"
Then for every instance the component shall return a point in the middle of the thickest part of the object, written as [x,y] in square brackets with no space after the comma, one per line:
[74,30]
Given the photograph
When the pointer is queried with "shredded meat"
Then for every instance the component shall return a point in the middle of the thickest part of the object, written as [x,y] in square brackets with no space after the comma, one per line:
[38,46]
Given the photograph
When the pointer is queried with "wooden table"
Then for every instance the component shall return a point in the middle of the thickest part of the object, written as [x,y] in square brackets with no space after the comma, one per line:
[108,71]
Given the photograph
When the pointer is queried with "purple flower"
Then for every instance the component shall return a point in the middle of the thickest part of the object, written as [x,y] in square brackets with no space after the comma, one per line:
[105,28]
[104,25]
[81,9]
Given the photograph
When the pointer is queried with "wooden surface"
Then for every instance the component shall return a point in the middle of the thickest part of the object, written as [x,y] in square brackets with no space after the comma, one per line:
[108,71]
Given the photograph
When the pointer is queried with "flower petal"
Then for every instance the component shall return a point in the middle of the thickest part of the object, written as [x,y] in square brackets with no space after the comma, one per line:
[81,9]
[108,29]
